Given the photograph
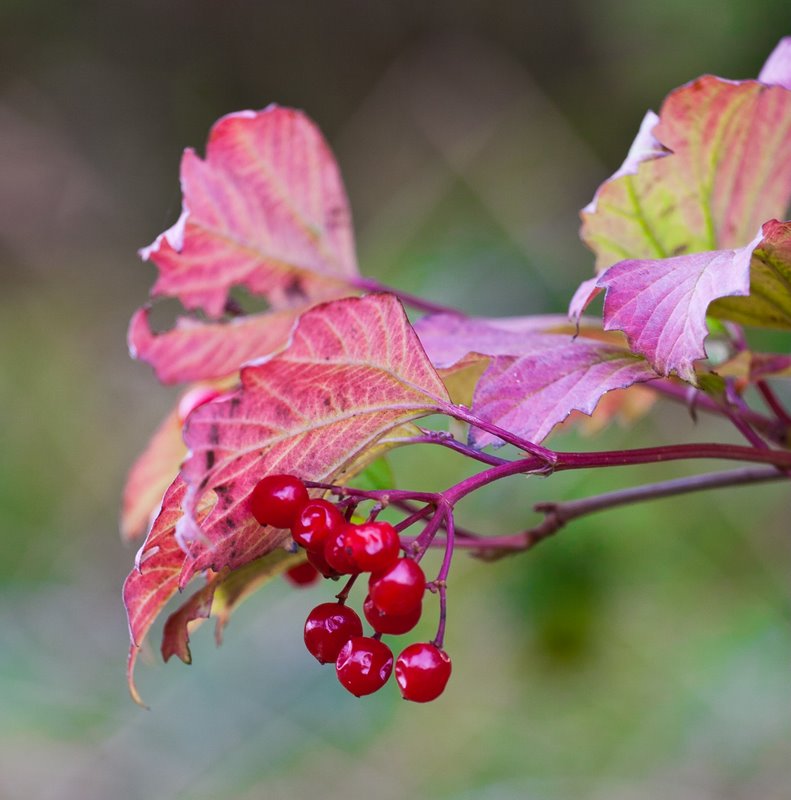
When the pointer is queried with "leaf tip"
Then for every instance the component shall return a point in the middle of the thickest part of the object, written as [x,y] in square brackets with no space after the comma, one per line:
[130,677]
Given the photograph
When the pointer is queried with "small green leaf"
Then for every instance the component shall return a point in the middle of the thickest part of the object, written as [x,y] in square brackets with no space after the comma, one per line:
[769,302]
[712,384]
[377,476]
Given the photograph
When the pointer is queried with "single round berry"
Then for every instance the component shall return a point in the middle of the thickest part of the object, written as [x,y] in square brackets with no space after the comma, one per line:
[422,671]
[277,499]
[390,623]
[399,589]
[193,398]
[336,554]
[315,522]
[303,574]
[318,561]
[327,629]
[364,665]
[372,546]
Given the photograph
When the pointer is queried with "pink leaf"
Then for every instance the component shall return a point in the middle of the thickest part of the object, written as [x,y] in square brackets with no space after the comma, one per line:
[266,209]
[661,304]
[728,171]
[449,338]
[153,471]
[534,379]
[585,293]
[530,394]
[154,580]
[645,147]
[777,69]
[353,371]
[195,350]
[769,303]
[150,476]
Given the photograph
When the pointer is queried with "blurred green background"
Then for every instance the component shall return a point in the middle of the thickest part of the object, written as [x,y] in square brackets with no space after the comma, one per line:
[643,653]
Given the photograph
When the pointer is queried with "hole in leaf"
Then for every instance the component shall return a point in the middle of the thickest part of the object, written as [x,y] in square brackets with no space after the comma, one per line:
[165,312]
[242,301]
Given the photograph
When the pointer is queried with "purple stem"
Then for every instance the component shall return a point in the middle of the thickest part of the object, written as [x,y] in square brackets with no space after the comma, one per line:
[442,581]
[561,461]
[734,408]
[416,516]
[344,593]
[384,496]
[773,402]
[445,439]
[423,542]
[465,415]
[619,458]
[557,515]
[681,393]
[422,513]
[560,514]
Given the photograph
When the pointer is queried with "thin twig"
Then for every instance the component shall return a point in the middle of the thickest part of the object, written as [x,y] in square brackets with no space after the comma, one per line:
[773,402]
[557,515]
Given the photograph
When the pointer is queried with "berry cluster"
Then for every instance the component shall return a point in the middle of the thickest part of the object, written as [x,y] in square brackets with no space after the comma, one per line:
[333,631]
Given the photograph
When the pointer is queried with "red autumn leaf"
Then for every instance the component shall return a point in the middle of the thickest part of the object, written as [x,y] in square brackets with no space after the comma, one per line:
[150,476]
[195,350]
[266,209]
[353,371]
[154,468]
[729,170]
[154,579]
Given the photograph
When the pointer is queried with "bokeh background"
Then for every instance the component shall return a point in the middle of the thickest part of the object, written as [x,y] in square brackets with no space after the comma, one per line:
[643,653]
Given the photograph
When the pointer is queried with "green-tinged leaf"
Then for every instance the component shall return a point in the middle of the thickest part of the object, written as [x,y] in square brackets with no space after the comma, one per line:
[769,302]
[720,168]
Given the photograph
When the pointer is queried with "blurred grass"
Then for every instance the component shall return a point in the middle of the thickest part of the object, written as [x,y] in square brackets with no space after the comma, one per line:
[641,653]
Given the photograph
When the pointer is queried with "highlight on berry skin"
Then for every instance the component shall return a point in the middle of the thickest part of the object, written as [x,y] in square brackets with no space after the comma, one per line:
[364,665]
[328,628]
[398,590]
[422,671]
[276,500]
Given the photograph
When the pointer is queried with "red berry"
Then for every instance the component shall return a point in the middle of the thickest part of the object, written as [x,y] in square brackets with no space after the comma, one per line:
[336,554]
[315,522]
[277,499]
[303,574]
[390,623]
[364,665]
[328,627]
[400,589]
[318,561]
[422,671]
[193,398]
[373,546]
